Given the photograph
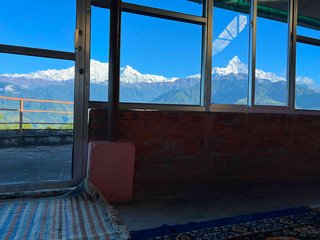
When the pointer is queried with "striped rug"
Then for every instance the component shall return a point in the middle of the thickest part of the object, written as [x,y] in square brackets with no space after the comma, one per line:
[67,217]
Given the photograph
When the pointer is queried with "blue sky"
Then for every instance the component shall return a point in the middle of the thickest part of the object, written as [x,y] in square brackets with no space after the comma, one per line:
[150,45]
[174,49]
[41,24]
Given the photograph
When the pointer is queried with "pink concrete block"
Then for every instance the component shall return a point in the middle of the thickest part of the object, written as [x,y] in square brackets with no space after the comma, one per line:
[111,168]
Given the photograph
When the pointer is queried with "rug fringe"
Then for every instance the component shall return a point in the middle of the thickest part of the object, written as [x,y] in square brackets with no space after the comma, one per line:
[111,213]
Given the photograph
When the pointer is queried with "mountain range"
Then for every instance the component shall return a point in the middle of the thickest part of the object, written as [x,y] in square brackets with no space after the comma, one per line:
[230,84]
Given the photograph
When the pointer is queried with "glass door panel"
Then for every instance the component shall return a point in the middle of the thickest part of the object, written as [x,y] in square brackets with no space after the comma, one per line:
[41,134]
[36,115]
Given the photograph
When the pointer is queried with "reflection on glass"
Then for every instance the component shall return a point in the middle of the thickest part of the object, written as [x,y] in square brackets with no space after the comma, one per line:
[308,18]
[40,24]
[307,77]
[193,7]
[99,54]
[271,53]
[230,49]
[161,61]
[36,115]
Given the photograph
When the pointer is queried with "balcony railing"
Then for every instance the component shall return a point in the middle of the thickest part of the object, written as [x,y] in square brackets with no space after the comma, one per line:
[21,110]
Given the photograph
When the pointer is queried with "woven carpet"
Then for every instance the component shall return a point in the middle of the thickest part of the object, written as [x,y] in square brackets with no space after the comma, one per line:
[69,217]
[288,224]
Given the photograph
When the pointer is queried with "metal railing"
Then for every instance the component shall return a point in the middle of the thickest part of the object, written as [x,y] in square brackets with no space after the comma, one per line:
[23,110]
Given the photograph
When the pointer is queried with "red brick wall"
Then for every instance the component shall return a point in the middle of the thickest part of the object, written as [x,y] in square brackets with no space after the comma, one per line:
[179,148]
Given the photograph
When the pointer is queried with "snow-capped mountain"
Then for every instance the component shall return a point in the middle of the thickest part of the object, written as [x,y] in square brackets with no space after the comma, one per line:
[235,66]
[98,71]
[50,74]
[230,85]
[98,74]
[130,76]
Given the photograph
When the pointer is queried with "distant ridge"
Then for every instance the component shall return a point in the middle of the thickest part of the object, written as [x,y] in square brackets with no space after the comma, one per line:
[230,85]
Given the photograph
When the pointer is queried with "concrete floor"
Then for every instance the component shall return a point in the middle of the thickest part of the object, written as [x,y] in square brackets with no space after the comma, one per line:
[36,163]
[203,203]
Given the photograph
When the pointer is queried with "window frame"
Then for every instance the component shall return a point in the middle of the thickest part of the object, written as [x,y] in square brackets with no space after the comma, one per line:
[296,38]
[206,65]
[168,15]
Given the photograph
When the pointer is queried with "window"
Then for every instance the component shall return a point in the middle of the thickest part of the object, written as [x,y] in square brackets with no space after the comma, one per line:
[230,54]
[40,24]
[161,61]
[99,54]
[308,19]
[271,54]
[193,7]
[308,77]
[307,95]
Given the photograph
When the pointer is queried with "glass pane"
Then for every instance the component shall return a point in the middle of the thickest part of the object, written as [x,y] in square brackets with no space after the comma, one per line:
[305,31]
[161,61]
[230,51]
[99,54]
[193,7]
[40,24]
[308,77]
[36,115]
[271,53]
[309,18]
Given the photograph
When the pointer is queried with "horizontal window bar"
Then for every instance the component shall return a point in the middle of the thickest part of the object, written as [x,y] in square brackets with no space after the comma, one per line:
[161,107]
[37,52]
[271,109]
[153,12]
[99,3]
[148,107]
[213,108]
[247,109]
[228,108]
[261,109]
[307,112]
[308,40]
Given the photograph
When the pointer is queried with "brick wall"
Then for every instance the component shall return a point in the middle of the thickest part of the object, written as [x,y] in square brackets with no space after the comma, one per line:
[176,148]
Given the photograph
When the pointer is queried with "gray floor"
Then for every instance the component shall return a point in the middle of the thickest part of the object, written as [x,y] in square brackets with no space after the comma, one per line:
[195,204]
[34,164]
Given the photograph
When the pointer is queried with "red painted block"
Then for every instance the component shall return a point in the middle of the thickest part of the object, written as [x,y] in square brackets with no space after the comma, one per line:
[111,168]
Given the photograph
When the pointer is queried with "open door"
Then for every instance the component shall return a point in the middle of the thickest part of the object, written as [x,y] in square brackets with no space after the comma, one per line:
[42,95]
